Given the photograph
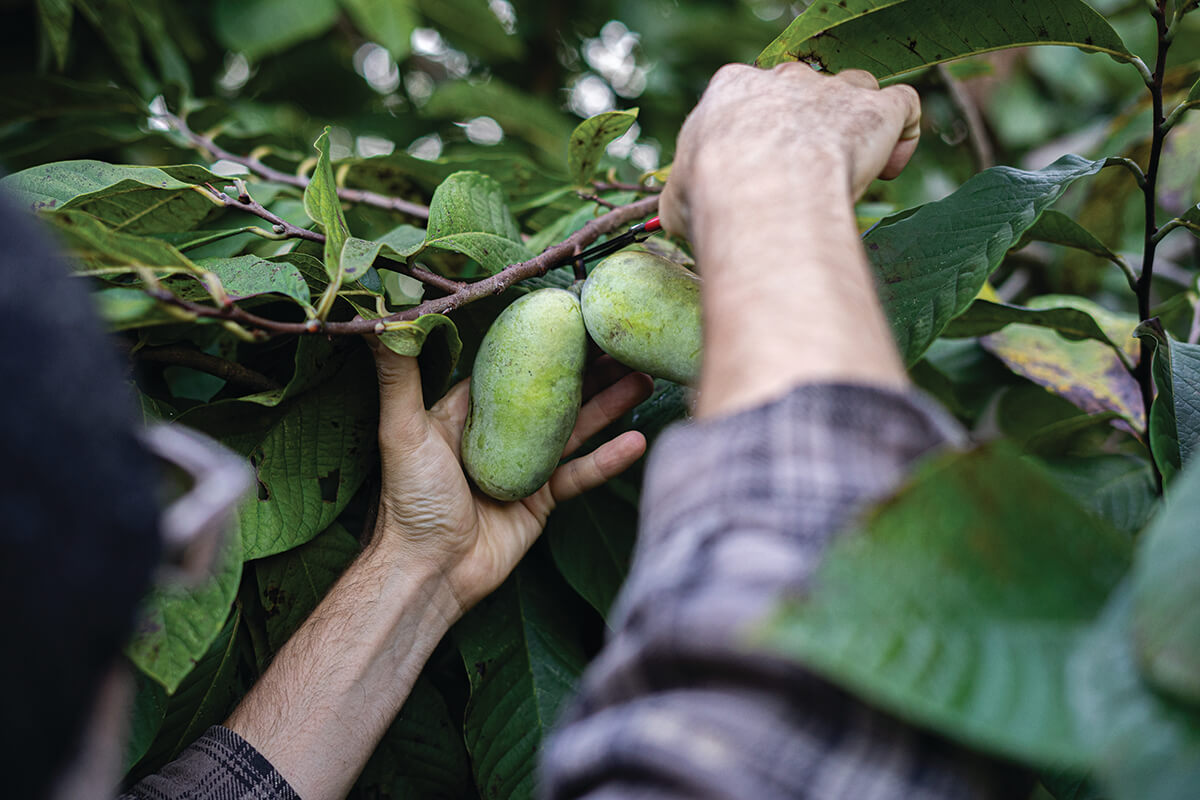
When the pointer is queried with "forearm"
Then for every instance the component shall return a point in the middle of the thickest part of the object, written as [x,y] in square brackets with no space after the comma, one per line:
[320,709]
[790,297]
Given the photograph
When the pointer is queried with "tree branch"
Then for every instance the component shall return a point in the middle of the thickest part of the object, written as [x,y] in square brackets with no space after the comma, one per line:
[270,173]
[562,253]
[233,373]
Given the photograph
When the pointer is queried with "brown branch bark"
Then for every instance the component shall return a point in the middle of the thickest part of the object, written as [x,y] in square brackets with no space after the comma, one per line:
[270,173]
[562,253]
[236,374]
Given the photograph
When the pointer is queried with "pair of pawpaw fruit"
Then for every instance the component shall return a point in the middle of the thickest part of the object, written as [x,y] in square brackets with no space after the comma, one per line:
[527,383]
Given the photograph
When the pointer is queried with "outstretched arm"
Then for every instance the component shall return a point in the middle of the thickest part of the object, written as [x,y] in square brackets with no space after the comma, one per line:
[438,548]
[805,416]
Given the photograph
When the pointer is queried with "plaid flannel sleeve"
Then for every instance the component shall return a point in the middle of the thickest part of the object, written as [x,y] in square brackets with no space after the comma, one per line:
[220,765]
[735,515]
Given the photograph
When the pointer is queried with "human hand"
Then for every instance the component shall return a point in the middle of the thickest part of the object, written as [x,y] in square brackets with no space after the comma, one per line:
[429,515]
[755,131]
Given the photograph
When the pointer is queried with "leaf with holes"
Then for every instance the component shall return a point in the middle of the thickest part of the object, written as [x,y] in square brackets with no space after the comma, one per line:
[958,602]
[523,656]
[309,454]
[1175,413]
[889,37]
[468,215]
[589,139]
[177,625]
[932,262]
[291,584]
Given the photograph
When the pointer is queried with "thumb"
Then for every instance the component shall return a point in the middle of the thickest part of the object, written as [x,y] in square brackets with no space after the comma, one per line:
[400,398]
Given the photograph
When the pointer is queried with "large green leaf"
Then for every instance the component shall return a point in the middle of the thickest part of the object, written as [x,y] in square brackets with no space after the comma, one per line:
[104,250]
[984,317]
[959,602]
[591,538]
[523,656]
[889,37]
[1144,745]
[323,207]
[1088,373]
[204,698]
[468,215]
[309,453]
[1119,489]
[1175,413]
[259,28]
[1166,592]
[250,276]
[933,262]
[389,22]
[358,255]
[291,584]
[128,199]
[145,717]
[589,139]
[421,755]
[178,624]
[1055,227]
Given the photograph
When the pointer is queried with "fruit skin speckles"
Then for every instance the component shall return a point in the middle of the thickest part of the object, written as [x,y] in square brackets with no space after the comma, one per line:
[526,389]
[644,311]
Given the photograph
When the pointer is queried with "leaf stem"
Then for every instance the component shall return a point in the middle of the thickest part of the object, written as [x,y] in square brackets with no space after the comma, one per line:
[256,166]
[1129,164]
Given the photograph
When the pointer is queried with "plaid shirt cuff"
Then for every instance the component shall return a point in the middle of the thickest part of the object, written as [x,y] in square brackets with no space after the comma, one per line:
[220,765]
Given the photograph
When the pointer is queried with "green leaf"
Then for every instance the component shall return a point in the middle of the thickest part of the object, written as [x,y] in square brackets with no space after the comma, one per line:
[958,603]
[932,263]
[408,338]
[323,207]
[1144,745]
[984,317]
[56,17]
[589,139]
[1087,373]
[309,454]
[176,625]
[1055,227]
[145,718]
[137,200]
[1166,594]
[523,656]
[468,215]
[421,754]
[1120,489]
[471,25]
[1175,413]
[123,309]
[250,276]
[204,698]
[291,584]
[591,538]
[259,28]
[890,37]
[117,25]
[389,22]
[359,254]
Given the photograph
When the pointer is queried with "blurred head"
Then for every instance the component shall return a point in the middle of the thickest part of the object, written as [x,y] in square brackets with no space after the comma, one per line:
[79,540]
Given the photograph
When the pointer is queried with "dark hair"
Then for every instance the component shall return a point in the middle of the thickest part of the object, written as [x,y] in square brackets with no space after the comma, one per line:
[79,537]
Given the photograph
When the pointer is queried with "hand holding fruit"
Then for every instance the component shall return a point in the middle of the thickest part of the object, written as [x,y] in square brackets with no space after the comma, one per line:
[427,511]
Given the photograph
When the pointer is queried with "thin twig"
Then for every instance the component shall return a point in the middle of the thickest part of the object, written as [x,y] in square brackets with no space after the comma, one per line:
[981,145]
[562,253]
[270,173]
[597,199]
[612,186]
[232,372]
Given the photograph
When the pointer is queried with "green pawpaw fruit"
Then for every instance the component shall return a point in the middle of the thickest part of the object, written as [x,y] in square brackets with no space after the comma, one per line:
[526,388]
[644,311]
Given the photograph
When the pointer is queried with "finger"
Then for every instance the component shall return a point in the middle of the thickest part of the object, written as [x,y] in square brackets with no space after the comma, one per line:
[450,413]
[606,407]
[899,158]
[602,373]
[910,106]
[401,407]
[858,77]
[605,462]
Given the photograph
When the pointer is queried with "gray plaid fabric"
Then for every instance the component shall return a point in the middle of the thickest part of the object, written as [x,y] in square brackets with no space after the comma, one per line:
[735,515]
[220,765]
